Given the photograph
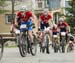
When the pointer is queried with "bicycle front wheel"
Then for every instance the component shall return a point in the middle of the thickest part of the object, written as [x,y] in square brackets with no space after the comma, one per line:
[47,43]
[63,44]
[22,42]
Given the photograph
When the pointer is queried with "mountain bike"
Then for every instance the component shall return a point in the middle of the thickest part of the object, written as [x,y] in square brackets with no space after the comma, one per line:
[44,45]
[24,42]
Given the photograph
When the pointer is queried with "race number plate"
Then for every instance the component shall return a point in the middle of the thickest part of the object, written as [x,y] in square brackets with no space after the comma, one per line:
[23,26]
[55,36]
[63,33]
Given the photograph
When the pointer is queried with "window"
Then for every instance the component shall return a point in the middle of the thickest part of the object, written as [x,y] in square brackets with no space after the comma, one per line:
[8,18]
[53,4]
[39,4]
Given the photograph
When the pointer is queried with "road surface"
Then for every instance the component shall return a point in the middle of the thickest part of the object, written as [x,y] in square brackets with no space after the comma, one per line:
[11,55]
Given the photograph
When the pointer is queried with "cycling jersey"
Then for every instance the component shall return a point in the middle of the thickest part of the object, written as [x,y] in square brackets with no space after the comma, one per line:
[44,18]
[62,26]
[24,16]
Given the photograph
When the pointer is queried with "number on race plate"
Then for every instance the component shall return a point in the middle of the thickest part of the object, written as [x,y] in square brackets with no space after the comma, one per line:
[55,36]
[23,26]
[63,33]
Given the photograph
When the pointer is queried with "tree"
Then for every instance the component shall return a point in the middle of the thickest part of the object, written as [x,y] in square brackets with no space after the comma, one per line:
[70,15]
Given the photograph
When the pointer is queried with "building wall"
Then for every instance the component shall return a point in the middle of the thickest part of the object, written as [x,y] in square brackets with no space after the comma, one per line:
[6,27]
[3,27]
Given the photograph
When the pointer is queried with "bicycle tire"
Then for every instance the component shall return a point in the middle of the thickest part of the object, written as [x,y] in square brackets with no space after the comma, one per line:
[34,49]
[47,43]
[55,48]
[43,49]
[63,45]
[70,48]
[22,42]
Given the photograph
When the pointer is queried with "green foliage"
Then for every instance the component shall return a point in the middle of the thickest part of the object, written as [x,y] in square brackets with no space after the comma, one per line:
[2,3]
[3,11]
[70,16]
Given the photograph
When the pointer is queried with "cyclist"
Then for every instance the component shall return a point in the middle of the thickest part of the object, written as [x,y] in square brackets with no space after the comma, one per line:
[25,16]
[54,31]
[63,27]
[44,21]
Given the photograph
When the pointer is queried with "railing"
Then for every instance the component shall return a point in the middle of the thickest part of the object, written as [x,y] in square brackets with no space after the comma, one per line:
[8,36]
[4,37]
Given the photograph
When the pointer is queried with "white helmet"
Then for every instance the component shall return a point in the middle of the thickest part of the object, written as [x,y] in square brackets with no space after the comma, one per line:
[45,11]
[61,19]
[23,8]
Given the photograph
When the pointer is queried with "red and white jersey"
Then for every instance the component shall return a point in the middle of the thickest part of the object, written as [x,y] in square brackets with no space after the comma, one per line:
[44,18]
[24,16]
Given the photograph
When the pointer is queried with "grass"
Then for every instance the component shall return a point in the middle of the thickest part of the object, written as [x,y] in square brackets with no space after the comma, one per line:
[3,11]
[10,46]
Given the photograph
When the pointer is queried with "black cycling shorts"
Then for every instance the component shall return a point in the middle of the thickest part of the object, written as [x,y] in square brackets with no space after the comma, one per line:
[42,25]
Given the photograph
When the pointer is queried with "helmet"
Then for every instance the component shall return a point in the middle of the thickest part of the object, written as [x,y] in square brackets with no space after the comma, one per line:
[23,8]
[45,11]
[61,19]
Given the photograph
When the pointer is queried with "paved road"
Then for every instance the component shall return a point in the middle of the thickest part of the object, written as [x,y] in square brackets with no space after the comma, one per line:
[11,55]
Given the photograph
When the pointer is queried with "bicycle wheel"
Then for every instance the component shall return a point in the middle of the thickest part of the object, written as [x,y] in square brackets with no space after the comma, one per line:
[1,47]
[55,48]
[22,42]
[70,48]
[63,41]
[47,43]
[33,49]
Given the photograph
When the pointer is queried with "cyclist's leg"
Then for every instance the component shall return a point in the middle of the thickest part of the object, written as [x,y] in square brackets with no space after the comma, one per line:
[42,28]
[30,31]
[60,37]
[66,38]
[50,32]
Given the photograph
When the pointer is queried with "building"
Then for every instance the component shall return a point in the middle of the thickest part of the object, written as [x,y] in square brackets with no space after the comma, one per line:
[37,6]
[56,7]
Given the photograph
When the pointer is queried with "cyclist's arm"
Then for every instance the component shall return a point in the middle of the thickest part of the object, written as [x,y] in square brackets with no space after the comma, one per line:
[39,23]
[17,20]
[58,27]
[33,17]
[50,21]
[67,27]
